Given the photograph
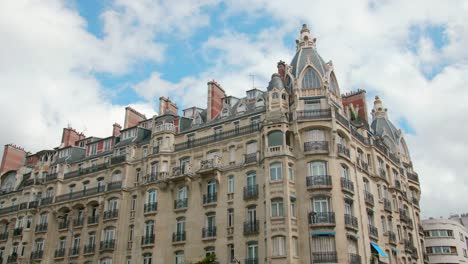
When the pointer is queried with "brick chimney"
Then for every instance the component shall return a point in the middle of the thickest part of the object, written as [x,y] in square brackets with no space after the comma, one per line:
[165,105]
[116,129]
[13,158]
[70,136]
[358,100]
[215,99]
[132,117]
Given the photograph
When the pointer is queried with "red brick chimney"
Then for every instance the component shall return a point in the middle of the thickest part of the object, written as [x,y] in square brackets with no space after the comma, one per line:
[13,158]
[215,99]
[132,117]
[358,100]
[165,104]
[70,136]
[116,129]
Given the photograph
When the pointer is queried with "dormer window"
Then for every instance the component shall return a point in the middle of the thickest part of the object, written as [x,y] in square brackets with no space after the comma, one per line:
[64,153]
[107,145]
[241,108]
[275,96]
[224,113]
[197,120]
[93,149]
[129,134]
[251,94]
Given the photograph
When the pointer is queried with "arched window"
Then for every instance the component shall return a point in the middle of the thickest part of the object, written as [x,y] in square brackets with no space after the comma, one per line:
[149,228]
[276,170]
[283,96]
[147,258]
[116,177]
[333,83]
[277,207]
[179,257]
[279,246]
[251,179]
[275,95]
[310,80]
[275,138]
[106,260]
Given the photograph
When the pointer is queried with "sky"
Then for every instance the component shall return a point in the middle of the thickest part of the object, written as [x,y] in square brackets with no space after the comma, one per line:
[80,63]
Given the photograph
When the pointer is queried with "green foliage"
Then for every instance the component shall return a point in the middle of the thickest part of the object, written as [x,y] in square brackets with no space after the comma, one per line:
[210,259]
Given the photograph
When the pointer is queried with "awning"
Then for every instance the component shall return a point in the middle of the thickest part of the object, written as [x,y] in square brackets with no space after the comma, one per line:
[322,233]
[381,252]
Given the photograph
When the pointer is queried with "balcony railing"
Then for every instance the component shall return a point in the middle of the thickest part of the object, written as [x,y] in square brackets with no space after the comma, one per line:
[9,209]
[319,218]
[166,127]
[373,231]
[111,214]
[93,219]
[412,176]
[74,251]
[83,171]
[155,149]
[59,253]
[178,236]
[316,146]
[18,231]
[397,184]
[209,164]
[79,194]
[180,203]
[347,185]
[415,201]
[90,248]
[23,206]
[369,198]
[319,181]
[251,192]
[117,185]
[351,221]
[4,236]
[382,173]
[251,261]
[360,137]
[387,205]
[13,258]
[37,254]
[150,207]
[63,224]
[51,176]
[250,158]
[148,239]
[33,204]
[41,228]
[325,257]
[210,198]
[343,150]
[354,259]
[217,137]
[118,159]
[47,201]
[78,221]
[391,237]
[107,244]
[209,232]
[313,114]
[251,227]
[152,177]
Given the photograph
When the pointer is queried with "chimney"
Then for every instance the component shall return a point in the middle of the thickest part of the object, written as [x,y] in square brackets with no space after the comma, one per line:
[281,69]
[70,136]
[165,105]
[358,100]
[215,99]
[132,117]
[116,129]
[13,158]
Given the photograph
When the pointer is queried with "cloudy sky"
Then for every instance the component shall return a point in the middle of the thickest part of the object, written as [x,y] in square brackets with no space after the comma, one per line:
[81,63]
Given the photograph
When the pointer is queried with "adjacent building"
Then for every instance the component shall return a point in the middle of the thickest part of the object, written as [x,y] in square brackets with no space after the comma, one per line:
[294,173]
[446,240]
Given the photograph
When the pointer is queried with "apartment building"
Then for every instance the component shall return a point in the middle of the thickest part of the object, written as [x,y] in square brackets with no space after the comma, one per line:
[294,173]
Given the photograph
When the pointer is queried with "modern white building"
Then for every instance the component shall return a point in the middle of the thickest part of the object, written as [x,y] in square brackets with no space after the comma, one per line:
[446,240]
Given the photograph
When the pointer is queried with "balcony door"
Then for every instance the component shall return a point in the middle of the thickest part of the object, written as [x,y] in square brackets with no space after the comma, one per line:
[211,187]
[182,193]
[317,168]
[252,214]
[251,179]
[321,205]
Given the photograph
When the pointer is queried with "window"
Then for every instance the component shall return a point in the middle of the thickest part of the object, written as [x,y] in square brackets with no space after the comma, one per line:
[259,103]
[323,244]
[145,152]
[379,191]
[252,214]
[149,228]
[182,193]
[311,105]
[241,108]
[442,250]
[105,261]
[291,172]
[293,208]
[252,251]
[109,234]
[230,217]
[317,168]
[29,222]
[275,96]
[333,83]
[231,253]
[209,251]
[438,233]
[345,172]
[112,204]
[224,113]
[230,184]
[232,154]
[384,225]
[147,258]
[277,207]
[107,145]
[151,197]
[275,171]
[295,247]
[321,204]
[314,135]
[179,257]
[310,80]
[251,148]
[275,138]
[93,149]
[279,246]
[211,187]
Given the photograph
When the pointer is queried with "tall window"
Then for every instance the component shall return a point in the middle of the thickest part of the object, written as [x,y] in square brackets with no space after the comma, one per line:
[179,257]
[182,193]
[345,172]
[323,244]
[277,207]
[317,168]
[252,250]
[180,225]
[311,80]
[295,247]
[231,253]
[151,196]
[275,138]
[252,214]
[211,187]
[291,172]
[314,135]
[333,83]
[251,179]
[230,184]
[109,234]
[230,217]
[279,247]
[276,171]
[147,258]
[105,261]
[232,154]
[367,187]
[149,228]
[112,204]
[321,204]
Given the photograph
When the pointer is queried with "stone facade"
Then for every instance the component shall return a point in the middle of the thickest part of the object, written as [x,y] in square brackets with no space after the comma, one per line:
[286,175]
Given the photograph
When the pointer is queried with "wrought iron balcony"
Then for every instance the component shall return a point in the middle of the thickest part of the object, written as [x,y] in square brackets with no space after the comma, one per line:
[351,221]
[4,236]
[74,251]
[391,237]
[373,231]
[147,239]
[79,194]
[150,207]
[47,201]
[111,214]
[17,231]
[325,257]
[210,198]
[251,192]
[37,254]
[321,218]
[319,181]
[9,209]
[387,205]
[93,219]
[117,185]
[118,159]
[251,227]
[13,258]
[83,171]
[354,259]
[360,137]
[51,176]
[90,248]
[78,221]
[107,244]
[59,253]
[343,150]
[347,185]
[313,114]
[41,227]
[208,232]
[252,261]
[32,204]
[316,147]
[382,173]
[178,236]
[63,224]
[369,198]
[412,176]
[250,158]
[180,203]
[362,164]
[152,177]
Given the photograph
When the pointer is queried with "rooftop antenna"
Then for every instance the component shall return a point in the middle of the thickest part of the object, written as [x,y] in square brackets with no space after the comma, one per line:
[253,80]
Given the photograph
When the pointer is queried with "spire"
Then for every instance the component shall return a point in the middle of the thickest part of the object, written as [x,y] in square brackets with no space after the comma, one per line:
[379,111]
[305,38]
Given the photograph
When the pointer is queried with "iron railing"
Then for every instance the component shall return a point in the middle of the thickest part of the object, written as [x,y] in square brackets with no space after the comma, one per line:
[150,207]
[314,114]
[210,198]
[251,192]
[317,218]
[178,236]
[209,231]
[251,227]
[319,181]
[351,221]
[325,257]
[343,150]
[111,214]
[347,184]
[180,203]
[316,146]
[373,231]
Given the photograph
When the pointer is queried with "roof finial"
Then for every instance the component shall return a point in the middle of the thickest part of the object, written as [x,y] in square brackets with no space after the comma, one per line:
[304,28]
[305,38]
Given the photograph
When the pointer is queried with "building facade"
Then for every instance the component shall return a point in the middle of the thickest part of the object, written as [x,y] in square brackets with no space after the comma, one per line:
[446,240]
[290,174]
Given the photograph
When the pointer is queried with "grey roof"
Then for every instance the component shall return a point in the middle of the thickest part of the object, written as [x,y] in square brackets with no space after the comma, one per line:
[382,126]
[300,61]
[275,82]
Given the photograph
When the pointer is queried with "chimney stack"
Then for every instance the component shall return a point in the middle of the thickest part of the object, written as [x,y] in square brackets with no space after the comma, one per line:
[132,117]
[13,158]
[215,99]
[70,136]
[116,129]
[165,105]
